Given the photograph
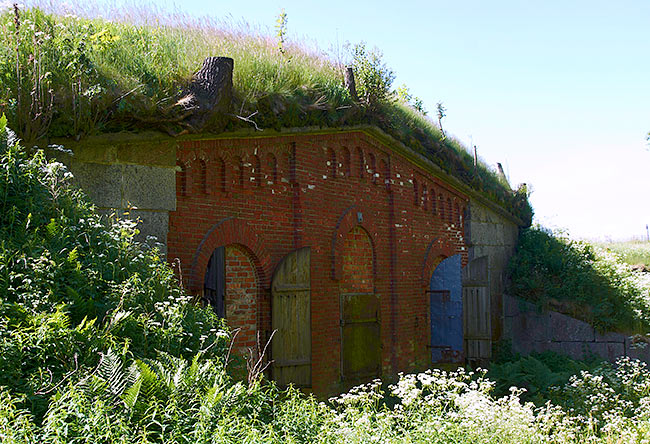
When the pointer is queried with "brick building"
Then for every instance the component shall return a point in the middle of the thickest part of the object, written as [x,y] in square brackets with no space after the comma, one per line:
[365,226]
[365,258]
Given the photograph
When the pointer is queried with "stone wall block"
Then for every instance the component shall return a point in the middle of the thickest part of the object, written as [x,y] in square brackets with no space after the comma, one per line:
[574,350]
[499,235]
[614,350]
[149,187]
[480,233]
[566,328]
[530,327]
[516,306]
[512,235]
[101,183]
[479,213]
[610,337]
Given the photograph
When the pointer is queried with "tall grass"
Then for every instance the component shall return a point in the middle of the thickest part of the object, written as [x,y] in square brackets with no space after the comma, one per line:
[633,252]
[92,68]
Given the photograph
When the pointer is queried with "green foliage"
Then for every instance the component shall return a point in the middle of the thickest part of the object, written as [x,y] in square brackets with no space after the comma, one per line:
[404,95]
[72,287]
[575,278]
[176,400]
[281,31]
[538,373]
[373,78]
[441,112]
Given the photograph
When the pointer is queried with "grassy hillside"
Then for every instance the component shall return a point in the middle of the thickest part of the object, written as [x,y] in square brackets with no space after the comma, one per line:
[70,76]
[581,280]
[634,252]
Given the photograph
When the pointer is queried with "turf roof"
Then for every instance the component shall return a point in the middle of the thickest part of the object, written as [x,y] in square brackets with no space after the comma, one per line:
[72,76]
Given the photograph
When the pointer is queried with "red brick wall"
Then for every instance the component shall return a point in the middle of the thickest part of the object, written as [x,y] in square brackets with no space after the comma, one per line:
[273,195]
[357,276]
[241,299]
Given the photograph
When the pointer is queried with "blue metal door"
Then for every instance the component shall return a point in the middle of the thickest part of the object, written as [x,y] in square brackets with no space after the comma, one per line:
[446,303]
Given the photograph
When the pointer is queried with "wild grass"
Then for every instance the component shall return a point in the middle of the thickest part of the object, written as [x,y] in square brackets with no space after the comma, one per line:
[70,71]
[633,252]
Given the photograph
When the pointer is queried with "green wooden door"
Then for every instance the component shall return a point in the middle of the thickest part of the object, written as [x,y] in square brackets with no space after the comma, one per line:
[361,341]
[291,319]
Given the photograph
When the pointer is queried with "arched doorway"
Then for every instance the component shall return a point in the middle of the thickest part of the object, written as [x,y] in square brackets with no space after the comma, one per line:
[231,288]
[291,319]
[446,311]
[360,310]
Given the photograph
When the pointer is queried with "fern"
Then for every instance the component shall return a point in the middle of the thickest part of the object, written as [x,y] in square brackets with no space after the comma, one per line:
[111,371]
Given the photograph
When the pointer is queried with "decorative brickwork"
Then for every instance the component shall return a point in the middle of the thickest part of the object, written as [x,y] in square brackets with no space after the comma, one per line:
[270,196]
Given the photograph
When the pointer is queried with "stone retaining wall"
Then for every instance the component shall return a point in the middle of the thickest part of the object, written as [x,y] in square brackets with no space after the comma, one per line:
[533,330]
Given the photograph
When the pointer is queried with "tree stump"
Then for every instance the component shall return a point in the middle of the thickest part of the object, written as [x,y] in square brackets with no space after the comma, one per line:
[210,94]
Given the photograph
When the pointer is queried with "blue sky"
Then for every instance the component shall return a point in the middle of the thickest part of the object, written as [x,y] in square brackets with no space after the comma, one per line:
[557,91]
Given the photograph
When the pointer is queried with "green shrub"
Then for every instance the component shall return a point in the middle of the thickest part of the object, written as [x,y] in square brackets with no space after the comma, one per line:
[575,278]
[374,79]
[72,287]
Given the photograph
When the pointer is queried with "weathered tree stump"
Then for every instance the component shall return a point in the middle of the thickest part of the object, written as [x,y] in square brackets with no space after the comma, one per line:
[350,84]
[209,95]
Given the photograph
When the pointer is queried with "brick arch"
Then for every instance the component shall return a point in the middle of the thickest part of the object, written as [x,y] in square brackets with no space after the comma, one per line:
[436,248]
[346,222]
[226,232]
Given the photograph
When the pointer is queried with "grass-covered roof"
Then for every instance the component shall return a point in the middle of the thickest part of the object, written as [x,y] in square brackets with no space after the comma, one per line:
[70,76]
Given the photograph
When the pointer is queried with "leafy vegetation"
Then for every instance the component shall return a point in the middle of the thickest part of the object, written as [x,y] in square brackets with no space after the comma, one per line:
[72,288]
[69,76]
[575,278]
[538,373]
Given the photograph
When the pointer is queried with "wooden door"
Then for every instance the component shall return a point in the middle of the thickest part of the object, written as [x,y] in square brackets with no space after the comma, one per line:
[291,320]
[477,313]
[361,340]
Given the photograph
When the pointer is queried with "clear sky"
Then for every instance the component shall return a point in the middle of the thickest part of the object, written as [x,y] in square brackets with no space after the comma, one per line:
[557,91]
